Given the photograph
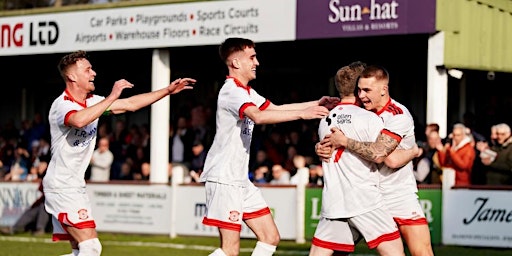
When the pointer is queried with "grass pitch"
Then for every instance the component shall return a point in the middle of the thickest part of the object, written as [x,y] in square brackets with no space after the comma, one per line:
[151,245]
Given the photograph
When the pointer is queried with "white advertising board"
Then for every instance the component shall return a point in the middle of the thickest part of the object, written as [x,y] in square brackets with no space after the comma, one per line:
[15,198]
[191,209]
[141,209]
[155,26]
[477,218]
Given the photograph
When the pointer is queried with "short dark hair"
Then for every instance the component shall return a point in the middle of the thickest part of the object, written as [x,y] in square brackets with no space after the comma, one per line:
[234,44]
[347,76]
[379,72]
[70,60]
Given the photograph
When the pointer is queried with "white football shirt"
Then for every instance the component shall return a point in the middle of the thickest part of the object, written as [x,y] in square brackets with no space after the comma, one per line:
[399,122]
[71,147]
[350,182]
[227,160]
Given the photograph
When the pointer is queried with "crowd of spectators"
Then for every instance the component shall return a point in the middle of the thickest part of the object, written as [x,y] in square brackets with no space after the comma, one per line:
[24,151]
[278,151]
[476,159]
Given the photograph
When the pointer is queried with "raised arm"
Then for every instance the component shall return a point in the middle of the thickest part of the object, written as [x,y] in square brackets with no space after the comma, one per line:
[326,101]
[272,116]
[139,101]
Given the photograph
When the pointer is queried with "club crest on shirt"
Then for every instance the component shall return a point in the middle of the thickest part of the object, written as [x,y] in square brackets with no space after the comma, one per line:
[82,214]
[234,216]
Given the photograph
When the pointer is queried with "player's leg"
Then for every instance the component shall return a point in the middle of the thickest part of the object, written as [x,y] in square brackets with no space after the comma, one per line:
[229,242]
[391,248]
[333,237]
[380,231]
[224,211]
[413,225]
[417,238]
[72,220]
[87,239]
[267,234]
[258,218]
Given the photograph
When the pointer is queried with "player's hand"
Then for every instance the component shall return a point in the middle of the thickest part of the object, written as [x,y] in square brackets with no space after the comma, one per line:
[337,138]
[180,84]
[329,102]
[119,86]
[323,151]
[315,112]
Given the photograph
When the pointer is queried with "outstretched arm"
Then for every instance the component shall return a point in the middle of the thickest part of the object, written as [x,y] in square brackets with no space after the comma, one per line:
[326,101]
[272,116]
[139,101]
[85,116]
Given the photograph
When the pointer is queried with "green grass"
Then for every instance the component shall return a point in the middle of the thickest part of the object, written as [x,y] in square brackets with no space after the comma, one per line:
[152,245]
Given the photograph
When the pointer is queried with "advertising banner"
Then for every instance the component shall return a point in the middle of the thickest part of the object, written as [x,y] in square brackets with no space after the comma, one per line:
[355,18]
[313,207]
[15,198]
[430,200]
[477,218]
[192,207]
[141,209]
[154,26]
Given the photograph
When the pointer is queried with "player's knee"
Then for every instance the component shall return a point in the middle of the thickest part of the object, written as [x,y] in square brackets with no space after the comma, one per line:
[272,239]
[91,247]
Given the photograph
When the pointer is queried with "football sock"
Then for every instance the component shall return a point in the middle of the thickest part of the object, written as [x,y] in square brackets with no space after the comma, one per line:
[263,249]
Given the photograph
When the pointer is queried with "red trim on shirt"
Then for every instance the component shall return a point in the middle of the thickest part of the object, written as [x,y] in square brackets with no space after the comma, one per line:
[243,108]
[68,115]
[256,214]
[384,238]
[384,108]
[339,152]
[392,134]
[333,246]
[68,96]
[265,104]
[391,108]
[239,84]
[222,224]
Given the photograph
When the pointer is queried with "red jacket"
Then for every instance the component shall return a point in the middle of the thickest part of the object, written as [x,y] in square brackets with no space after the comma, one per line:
[460,160]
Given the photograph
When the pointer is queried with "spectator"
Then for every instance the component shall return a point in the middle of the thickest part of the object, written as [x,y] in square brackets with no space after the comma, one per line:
[421,166]
[299,164]
[260,175]
[498,157]
[459,154]
[126,172]
[199,155]
[118,147]
[263,165]
[280,176]
[145,170]
[316,175]
[20,165]
[431,127]
[180,144]
[101,161]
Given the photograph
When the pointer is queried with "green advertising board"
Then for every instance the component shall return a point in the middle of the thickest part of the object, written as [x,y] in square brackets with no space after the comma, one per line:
[430,200]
